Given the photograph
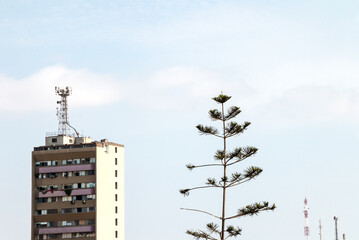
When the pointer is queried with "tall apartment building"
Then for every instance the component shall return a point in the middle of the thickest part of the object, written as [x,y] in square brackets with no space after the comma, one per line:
[77,188]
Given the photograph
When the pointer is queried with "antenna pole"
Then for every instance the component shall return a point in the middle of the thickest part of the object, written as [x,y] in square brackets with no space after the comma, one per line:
[306,227]
[62,111]
[336,227]
[320,229]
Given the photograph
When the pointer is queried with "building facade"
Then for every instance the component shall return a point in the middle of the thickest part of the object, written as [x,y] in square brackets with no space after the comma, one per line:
[77,189]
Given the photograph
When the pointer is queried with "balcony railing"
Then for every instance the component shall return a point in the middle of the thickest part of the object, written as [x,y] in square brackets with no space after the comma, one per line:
[59,230]
[67,168]
[85,191]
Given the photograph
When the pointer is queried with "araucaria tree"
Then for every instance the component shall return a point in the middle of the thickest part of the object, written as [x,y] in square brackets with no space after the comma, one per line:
[226,160]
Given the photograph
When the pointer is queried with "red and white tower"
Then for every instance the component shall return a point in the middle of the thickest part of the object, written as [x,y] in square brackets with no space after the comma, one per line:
[306,227]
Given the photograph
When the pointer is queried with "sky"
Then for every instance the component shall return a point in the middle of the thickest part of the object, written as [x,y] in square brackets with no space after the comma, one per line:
[143,74]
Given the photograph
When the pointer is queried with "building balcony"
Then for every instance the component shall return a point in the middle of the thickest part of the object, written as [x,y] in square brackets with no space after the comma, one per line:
[67,216]
[66,168]
[75,192]
[59,230]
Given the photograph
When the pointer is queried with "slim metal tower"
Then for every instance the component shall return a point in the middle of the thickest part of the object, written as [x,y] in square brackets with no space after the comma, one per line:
[320,229]
[336,227]
[62,111]
[306,227]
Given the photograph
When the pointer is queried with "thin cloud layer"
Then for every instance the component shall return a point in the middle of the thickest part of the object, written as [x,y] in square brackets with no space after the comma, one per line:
[180,87]
[36,92]
[314,104]
[311,93]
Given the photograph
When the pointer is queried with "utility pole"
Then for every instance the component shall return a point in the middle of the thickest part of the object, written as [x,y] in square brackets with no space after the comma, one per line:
[336,227]
[320,229]
[306,227]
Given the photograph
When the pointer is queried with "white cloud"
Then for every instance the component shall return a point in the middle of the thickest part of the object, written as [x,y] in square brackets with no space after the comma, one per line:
[314,104]
[294,93]
[36,92]
[180,87]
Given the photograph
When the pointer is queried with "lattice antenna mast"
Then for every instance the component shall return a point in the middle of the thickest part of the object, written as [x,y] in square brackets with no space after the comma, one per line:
[320,229]
[62,112]
[306,227]
[336,227]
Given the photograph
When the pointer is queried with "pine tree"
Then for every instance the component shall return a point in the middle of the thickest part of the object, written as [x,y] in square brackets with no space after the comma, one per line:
[226,159]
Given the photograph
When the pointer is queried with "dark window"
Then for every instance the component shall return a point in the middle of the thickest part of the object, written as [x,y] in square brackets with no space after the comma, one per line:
[115,161]
[116,210]
[53,236]
[116,221]
[51,211]
[52,224]
[115,149]
[91,222]
[115,185]
[115,173]
[116,235]
[54,140]
[116,197]
[67,210]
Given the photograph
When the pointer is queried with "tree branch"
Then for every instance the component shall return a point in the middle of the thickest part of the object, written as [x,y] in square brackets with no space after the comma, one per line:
[195,188]
[204,165]
[200,235]
[197,210]
[187,190]
[253,209]
[238,183]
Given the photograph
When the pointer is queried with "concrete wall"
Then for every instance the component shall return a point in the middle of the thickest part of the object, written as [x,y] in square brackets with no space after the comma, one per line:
[59,140]
[105,191]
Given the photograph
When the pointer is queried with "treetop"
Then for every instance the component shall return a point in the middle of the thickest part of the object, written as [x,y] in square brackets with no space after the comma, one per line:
[221,98]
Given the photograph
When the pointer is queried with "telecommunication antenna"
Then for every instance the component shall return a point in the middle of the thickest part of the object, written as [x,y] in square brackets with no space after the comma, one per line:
[306,227]
[62,112]
[320,229]
[336,227]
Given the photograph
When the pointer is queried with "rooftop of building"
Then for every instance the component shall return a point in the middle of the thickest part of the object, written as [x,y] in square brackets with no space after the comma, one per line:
[70,142]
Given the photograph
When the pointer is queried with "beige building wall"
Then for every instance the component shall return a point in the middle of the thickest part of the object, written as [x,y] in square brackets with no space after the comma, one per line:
[108,198]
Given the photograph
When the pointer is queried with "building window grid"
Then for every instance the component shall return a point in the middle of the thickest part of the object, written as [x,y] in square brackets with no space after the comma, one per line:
[77,161]
[73,162]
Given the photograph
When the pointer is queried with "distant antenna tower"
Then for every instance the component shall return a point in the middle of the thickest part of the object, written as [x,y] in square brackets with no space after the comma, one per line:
[336,227]
[306,227]
[62,112]
[320,229]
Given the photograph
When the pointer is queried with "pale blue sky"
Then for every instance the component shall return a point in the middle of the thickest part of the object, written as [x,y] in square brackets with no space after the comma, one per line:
[143,73]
